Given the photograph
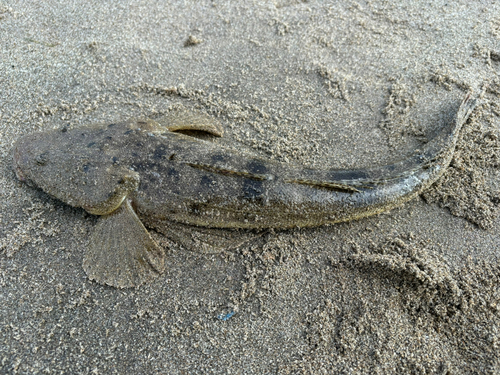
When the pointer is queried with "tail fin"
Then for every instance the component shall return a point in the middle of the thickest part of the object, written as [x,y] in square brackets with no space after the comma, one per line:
[436,153]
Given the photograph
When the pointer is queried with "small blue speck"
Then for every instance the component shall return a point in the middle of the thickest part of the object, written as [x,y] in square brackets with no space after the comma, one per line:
[225,317]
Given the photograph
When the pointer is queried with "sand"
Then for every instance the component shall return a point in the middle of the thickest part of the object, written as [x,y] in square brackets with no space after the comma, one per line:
[326,85]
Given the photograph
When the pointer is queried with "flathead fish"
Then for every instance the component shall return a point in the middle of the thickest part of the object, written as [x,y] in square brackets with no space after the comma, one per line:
[141,173]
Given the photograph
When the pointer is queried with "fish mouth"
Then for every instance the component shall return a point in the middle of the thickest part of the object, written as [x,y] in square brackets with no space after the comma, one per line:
[17,168]
[23,150]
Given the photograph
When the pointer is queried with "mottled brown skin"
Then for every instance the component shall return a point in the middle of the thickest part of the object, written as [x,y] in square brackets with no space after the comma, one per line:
[171,177]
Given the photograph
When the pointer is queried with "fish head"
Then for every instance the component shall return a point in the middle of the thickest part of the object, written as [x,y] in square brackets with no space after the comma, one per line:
[62,164]
[31,156]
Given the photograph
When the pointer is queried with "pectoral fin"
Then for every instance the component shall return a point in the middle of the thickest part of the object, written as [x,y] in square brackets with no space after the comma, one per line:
[187,121]
[121,252]
[120,190]
[205,240]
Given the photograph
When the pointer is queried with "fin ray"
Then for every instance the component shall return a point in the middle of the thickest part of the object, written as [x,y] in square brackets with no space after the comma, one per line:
[121,253]
[205,240]
[184,120]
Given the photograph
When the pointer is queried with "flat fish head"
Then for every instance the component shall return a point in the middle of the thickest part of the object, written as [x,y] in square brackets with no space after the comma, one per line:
[66,165]
[31,154]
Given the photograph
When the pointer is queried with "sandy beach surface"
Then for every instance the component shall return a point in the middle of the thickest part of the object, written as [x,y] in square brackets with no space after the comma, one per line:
[323,84]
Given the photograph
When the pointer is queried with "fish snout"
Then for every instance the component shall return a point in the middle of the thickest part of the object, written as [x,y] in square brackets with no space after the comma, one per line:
[18,160]
[24,159]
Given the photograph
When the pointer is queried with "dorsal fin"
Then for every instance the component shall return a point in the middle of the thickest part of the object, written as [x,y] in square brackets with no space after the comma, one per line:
[332,185]
[189,120]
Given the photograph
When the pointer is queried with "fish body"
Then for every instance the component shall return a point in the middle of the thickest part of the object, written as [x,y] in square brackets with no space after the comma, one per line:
[140,171]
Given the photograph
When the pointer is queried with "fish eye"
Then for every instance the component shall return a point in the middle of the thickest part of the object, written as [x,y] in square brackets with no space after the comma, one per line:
[42,159]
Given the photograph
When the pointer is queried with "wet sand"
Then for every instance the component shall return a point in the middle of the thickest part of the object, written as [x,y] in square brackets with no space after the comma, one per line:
[350,84]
